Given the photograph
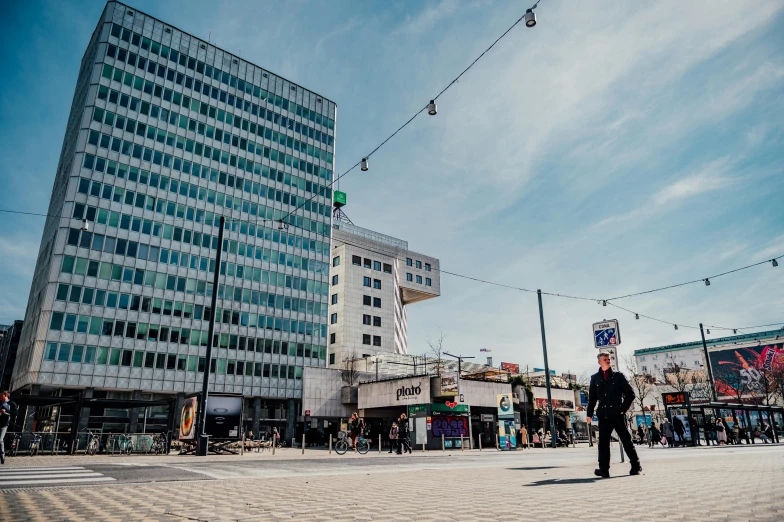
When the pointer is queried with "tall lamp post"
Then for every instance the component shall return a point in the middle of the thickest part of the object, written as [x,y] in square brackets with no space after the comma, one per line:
[204,439]
[459,369]
[708,365]
[547,372]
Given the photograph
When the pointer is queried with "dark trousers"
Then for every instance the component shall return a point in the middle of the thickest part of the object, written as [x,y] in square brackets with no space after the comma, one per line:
[606,426]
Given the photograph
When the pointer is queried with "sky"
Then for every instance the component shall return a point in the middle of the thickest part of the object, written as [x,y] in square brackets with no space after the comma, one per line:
[613,148]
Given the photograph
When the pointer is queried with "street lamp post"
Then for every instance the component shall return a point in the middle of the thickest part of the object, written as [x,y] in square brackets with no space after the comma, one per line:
[459,369]
[708,365]
[546,372]
[204,439]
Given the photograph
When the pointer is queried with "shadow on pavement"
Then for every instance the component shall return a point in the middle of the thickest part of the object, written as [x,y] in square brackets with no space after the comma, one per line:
[549,482]
[533,468]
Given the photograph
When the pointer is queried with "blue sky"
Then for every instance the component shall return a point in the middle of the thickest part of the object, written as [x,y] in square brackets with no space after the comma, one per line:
[613,148]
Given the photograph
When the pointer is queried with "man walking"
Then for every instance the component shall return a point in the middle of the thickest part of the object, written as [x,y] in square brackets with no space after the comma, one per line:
[614,395]
[7,407]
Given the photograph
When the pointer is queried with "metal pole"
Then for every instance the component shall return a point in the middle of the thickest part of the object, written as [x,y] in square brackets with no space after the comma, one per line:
[480,442]
[379,442]
[201,449]
[708,365]
[546,371]
[443,445]
[330,444]
[303,443]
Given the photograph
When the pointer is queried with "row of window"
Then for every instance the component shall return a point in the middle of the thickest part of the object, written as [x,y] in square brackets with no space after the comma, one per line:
[411,262]
[367,263]
[376,339]
[182,100]
[94,241]
[193,125]
[210,71]
[410,277]
[162,361]
[163,137]
[145,226]
[109,327]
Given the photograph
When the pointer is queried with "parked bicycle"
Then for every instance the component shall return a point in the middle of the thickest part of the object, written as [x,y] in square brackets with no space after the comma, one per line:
[93,443]
[16,441]
[122,444]
[159,443]
[344,443]
[35,445]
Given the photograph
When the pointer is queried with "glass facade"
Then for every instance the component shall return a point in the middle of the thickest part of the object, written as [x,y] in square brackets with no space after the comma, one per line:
[167,134]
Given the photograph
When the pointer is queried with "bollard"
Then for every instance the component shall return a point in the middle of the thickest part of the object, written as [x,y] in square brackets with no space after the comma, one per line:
[379,443]
[480,442]
[242,448]
[303,443]
[330,444]
[461,443]
[497,444]
[274,443]
[443,446]
[423,445]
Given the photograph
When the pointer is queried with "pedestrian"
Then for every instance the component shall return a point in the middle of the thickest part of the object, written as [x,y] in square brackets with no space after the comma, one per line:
[7,410]
[721,435]
[667,432]
[614,395]
[640,433]
[727,432]
[735,433]
[355,429]
[769,432]
[404,444]
[695,430]
[524,436]
[680,430]
[393,433]
[655,435]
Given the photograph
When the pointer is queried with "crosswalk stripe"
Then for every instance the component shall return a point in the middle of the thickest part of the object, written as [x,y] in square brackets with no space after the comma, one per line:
[24,476]
[56,481]
[38,470]
[16,476]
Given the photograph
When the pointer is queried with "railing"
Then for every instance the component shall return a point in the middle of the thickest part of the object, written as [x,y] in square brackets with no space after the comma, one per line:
[59,443]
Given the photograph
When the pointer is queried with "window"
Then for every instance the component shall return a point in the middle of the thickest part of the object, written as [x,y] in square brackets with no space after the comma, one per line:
[376,340]
[377,302]
[334,279]
[336,261]
[366,300]
[696,363]
[356,260]
[427,267]
[332,339]
[366,319]
[419,279]
[409,261]
[334,298]
[377,284]
[333,318]
[377,265]
[376,321]
[332,358]
[367,263]
[366,281]
[419,264]
[645,368]
[409,276]
[365,338]
[387,268]
[428,282]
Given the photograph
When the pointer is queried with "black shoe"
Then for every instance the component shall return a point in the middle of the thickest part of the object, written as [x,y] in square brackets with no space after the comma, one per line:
[601,473]
[2,459]
[636,469]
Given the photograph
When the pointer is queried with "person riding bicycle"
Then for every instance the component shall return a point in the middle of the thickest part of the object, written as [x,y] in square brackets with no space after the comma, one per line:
[355,426]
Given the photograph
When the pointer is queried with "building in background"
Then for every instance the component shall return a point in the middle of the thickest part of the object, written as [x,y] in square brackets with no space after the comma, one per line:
[9,344]
[166,134]
[374,278]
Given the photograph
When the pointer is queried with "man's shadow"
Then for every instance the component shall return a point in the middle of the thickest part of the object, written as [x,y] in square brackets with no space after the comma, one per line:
[549,482]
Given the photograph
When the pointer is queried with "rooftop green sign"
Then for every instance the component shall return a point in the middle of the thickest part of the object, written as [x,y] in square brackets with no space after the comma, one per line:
[340,198]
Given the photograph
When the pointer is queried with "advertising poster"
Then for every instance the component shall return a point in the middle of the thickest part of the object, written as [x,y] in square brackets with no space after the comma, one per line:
[511,367]
[224,414]
[644,420]
[504,402]
[740,371]
[579,424]
[188,419]
[507,435]
[557,404]
[448,384]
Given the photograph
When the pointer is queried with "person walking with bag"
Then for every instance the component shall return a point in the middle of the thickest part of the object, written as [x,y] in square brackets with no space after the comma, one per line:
[393,433]
[720,433]
[614,396]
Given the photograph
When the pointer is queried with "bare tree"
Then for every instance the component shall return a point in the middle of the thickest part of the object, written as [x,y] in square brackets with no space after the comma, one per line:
[349,373]
[766,389]
[733,381]
[437,351]
[642,384]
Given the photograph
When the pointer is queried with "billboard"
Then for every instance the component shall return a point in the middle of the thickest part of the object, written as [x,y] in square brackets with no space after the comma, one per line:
[504,402]
[190,406]
[747,370]
[448,384]
[224,416]
[513,368]
[558,404]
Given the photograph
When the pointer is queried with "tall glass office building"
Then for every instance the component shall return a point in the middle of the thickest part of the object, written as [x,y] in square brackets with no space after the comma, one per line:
[167,133]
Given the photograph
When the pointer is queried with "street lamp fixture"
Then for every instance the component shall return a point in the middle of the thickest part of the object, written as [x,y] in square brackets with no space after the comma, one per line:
[364,165]
[432,109]
[530,18]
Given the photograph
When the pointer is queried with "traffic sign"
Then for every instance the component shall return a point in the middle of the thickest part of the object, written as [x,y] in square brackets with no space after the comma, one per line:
[606,333]
[613,358]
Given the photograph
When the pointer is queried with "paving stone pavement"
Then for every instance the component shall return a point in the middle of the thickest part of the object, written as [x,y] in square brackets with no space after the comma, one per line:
[680,484]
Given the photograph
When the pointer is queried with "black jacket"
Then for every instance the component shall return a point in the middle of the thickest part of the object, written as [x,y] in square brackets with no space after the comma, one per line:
[7,410]
[615,395]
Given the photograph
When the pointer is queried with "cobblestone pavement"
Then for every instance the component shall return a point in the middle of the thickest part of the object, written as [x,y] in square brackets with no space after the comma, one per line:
[725,483]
